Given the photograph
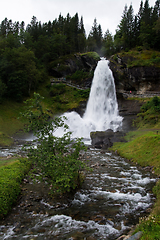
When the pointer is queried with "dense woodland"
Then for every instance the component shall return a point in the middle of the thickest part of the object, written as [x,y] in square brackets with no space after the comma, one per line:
[26,53]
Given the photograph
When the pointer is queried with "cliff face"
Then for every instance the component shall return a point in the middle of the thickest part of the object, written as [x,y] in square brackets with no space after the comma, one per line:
[67,66]
[139,79]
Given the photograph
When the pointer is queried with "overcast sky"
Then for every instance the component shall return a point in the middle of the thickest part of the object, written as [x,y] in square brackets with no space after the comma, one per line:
[107,12]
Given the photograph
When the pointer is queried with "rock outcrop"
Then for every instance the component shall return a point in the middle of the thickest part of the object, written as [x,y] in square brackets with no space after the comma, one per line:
[139,79]
[68,65]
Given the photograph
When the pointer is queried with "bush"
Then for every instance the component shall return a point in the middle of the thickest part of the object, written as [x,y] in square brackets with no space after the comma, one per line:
[57,158]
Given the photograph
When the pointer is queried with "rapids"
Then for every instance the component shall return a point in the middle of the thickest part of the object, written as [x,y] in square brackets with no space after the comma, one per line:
[112,198]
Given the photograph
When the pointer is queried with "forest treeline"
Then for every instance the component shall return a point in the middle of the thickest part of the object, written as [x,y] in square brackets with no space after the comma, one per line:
[27,53]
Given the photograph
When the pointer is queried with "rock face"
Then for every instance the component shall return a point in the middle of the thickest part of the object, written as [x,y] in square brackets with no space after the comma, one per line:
[139,79]
[106,139]
[72,63]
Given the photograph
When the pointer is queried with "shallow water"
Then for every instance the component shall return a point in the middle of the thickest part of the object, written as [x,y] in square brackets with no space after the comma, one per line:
[113,197]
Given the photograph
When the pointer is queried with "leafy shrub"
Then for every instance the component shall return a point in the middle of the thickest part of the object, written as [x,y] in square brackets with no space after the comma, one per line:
[56,157]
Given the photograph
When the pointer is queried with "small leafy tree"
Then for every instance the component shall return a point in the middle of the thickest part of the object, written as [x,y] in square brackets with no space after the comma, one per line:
[57,158]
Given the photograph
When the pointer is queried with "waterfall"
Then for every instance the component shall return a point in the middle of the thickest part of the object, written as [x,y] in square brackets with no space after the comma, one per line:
[102,108]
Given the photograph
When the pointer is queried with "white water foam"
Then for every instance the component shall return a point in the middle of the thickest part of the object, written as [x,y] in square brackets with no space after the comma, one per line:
[102,108]
[62,224]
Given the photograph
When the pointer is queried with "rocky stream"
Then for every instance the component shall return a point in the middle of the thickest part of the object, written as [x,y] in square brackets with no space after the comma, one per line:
[114,195]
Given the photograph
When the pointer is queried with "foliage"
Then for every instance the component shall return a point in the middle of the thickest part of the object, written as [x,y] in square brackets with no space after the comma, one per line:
[5,140]
[18,72]
[79,75]
[140,57]
[9,124]
[94,41]
[150,113]
[93,55]
[150,227]
[27,55]
[11,176]
[141,29]
[55,157]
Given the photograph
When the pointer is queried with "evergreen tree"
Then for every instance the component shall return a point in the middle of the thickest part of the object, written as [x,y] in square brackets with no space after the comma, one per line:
[145,26]
[108,44]
[95,37]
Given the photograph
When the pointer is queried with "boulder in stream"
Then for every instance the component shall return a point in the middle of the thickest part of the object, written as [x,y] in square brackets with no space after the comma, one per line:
[105,139]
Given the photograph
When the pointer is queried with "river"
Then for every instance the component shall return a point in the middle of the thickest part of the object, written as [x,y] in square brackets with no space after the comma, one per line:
[113,196]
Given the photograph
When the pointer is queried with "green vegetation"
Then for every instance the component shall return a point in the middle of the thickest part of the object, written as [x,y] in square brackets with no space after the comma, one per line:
[29,55]
[9,124]
[79,76]
[58,98]
[142,29]
[93,55]
[57,158]
[11,175]
[5,140]
[143,147]
[136,58]
[150,114]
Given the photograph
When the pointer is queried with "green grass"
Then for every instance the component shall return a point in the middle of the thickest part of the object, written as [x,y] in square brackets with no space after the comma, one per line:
[9,112]
[11,175]
[6,161]
[5,140]
[143,149]
[141,57]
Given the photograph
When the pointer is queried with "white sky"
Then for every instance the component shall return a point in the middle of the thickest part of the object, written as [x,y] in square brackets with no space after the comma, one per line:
[107,12]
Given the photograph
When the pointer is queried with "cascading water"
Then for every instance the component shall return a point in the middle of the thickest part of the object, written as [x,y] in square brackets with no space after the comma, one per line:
[102,108]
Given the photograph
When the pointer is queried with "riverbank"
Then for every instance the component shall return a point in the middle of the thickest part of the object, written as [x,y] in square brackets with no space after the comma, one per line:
[142,148]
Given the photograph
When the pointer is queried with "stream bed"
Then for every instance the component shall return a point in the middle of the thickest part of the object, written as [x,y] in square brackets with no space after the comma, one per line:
[113,197]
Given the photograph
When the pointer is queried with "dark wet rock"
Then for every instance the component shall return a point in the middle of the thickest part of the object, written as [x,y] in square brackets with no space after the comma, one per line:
[73,63]
[139,79]
[136,236]
[105,139]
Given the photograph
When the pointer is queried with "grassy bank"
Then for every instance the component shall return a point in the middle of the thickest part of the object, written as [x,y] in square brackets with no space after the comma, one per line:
[11,174]
[143,147]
